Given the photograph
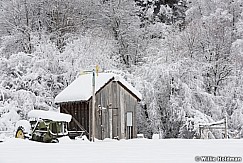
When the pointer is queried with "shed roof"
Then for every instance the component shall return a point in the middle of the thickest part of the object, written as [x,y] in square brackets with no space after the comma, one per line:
[81,88]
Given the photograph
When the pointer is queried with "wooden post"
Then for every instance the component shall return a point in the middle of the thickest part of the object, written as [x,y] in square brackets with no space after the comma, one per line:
[2,94]
[200,132]
[110,120]
[226,125]
[93,107]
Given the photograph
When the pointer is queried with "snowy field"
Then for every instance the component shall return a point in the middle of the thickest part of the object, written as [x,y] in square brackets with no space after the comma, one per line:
[137,150]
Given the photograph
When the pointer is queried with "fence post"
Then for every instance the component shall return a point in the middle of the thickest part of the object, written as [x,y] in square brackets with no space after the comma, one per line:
[226,126]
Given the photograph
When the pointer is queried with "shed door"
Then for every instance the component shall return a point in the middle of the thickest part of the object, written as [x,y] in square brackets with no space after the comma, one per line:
[115,124]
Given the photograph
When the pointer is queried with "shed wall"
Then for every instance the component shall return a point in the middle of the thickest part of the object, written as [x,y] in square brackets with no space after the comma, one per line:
[80,112]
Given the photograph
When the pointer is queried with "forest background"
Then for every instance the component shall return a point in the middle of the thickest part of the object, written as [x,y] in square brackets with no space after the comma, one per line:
[184,56]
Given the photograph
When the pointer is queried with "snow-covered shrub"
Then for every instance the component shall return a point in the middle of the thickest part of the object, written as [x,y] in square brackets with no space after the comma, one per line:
[8,116]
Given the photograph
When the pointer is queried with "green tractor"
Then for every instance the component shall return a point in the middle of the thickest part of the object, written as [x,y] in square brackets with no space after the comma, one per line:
[43,126]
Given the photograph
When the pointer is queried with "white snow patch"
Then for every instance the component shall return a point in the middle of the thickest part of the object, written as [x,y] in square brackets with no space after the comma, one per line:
[155,136]
[64,139]
[2,137]
[83,138]
[25,124]
[51,115]
[125,151]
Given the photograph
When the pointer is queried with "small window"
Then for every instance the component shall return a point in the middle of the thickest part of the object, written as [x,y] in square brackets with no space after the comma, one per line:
[129,119]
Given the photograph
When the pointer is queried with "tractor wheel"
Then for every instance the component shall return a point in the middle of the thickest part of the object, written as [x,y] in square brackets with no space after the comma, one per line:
[22,129]
[54,141]
[20,133]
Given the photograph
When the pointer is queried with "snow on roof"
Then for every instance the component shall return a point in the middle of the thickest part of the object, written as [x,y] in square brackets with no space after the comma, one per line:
[81,88]
[51,115]
[128,86]
[214,123]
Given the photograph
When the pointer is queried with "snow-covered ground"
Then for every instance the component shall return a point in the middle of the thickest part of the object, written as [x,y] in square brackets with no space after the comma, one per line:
[137,150]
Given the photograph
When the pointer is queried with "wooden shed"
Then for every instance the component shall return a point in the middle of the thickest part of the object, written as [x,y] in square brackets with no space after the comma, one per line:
[115,106]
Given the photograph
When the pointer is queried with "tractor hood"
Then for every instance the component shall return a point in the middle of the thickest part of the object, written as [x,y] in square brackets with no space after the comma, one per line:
[51,115]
